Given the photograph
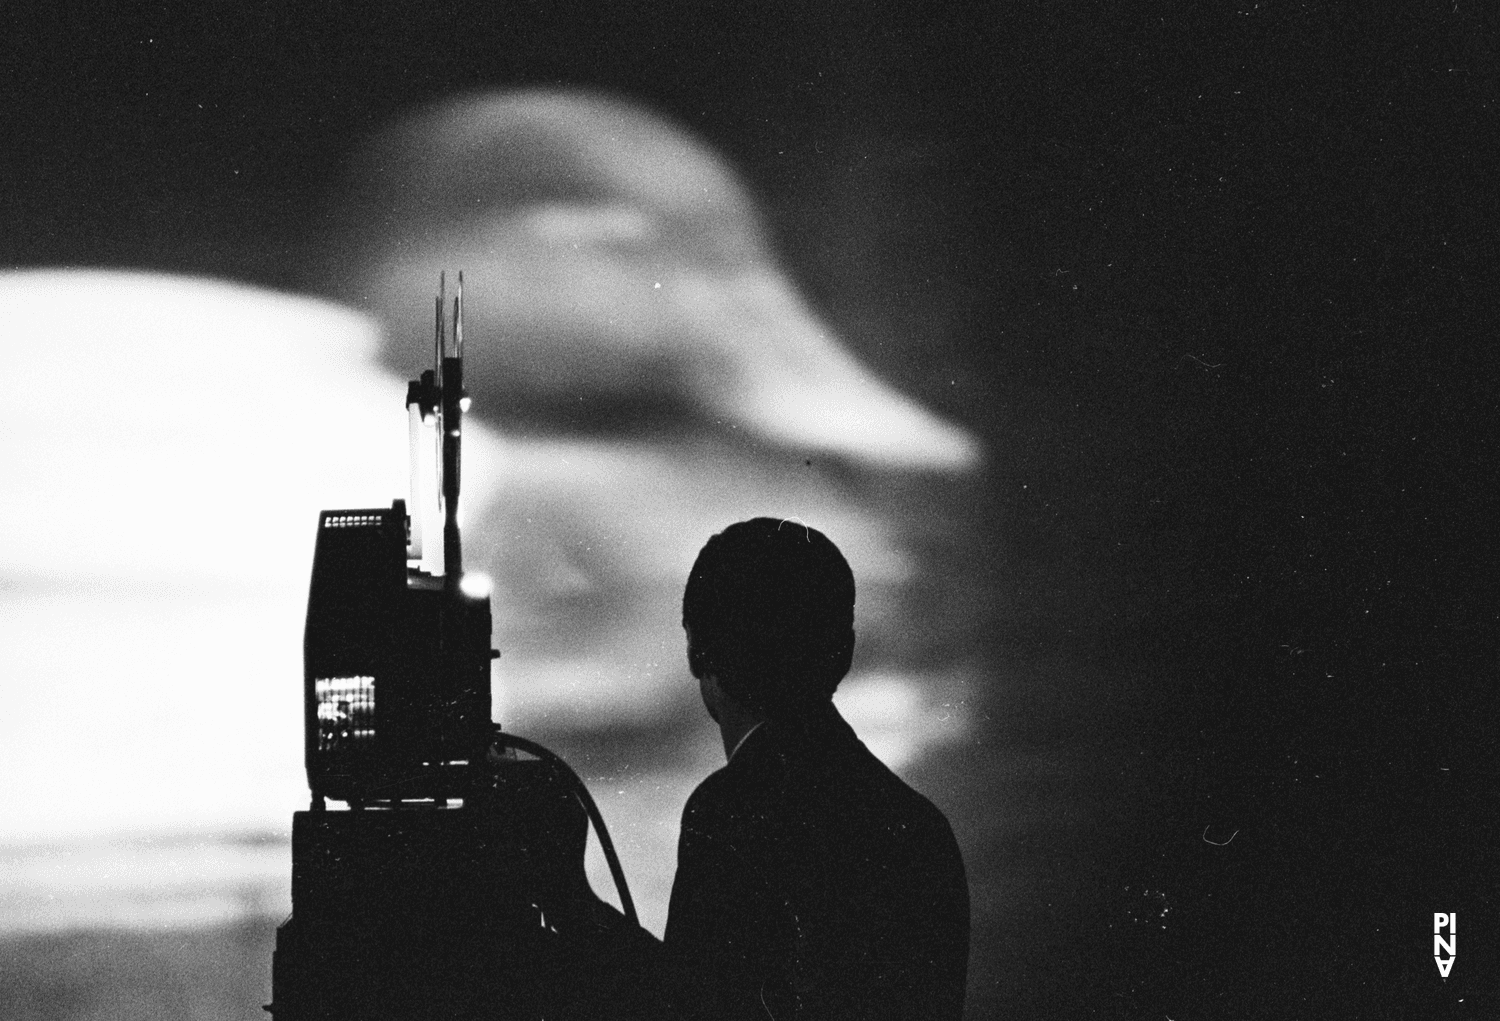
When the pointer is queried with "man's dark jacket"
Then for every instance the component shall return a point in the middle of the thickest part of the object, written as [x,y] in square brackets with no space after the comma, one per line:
[813,883]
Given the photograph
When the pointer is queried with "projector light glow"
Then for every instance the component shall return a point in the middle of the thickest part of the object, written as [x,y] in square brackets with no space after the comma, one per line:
[476,584]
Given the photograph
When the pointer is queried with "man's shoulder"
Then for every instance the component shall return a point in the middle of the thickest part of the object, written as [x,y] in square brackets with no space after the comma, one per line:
[723,799]
[908,808]
[839,783]
[712,791]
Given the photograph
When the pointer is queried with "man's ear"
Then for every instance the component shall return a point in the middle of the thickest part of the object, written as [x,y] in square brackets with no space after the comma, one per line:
[713,695]
[844,656]
[698,664]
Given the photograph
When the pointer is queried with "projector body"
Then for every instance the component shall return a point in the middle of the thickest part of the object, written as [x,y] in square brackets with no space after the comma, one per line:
[451,884]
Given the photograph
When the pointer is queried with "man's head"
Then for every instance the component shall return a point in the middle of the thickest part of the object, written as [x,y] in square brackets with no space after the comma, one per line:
[769,611]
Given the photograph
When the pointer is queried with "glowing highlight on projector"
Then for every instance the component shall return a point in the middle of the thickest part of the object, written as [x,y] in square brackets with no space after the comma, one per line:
[476,585]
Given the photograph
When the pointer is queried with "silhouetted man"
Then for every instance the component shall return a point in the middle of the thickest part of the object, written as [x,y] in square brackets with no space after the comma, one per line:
[811,881]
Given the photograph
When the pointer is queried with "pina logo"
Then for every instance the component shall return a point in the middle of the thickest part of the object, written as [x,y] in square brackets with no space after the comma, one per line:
[1442,944]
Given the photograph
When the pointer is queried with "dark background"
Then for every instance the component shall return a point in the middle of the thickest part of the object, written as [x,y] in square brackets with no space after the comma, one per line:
[1217,291]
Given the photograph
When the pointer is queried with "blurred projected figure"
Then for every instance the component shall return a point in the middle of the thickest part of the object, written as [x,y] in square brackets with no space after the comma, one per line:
[811,881]
[658,372]
[628,279]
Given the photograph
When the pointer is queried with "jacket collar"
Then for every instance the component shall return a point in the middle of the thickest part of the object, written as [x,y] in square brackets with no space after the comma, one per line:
[816,734]
[743,738]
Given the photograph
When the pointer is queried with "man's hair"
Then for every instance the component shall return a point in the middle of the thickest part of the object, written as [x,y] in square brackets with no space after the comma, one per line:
[770,609]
